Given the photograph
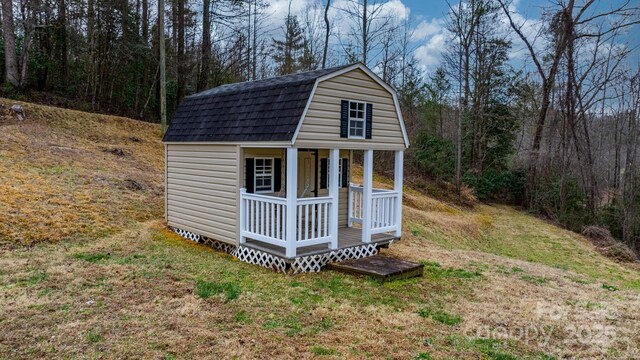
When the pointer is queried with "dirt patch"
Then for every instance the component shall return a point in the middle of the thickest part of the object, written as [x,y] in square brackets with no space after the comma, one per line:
[115,151]
[133,185]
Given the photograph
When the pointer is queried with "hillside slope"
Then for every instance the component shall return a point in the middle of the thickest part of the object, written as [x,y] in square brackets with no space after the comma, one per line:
[68,174]
[106,279]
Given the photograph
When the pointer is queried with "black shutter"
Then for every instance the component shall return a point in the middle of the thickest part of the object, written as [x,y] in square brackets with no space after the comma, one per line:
[344,119]
[277,174]
[323,173]
[369,121]
[249,168]
[345,172]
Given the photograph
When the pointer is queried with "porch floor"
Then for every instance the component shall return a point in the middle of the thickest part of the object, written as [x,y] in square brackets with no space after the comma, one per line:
[347,237]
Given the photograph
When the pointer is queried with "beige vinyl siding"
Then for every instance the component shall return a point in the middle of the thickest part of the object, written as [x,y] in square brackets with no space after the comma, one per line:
[202,189]
[321,125]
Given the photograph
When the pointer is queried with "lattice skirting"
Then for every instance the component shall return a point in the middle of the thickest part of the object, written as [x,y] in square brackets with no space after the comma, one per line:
[302,264]
[261,258]
[216,244]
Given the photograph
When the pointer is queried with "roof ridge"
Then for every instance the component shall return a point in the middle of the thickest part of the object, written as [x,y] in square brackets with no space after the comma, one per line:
[268,82]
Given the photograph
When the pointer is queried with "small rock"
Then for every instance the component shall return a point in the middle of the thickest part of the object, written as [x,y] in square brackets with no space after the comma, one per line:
[16,108]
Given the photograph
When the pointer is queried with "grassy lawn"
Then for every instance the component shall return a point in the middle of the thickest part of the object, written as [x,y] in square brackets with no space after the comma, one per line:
[88,270]
[148,293]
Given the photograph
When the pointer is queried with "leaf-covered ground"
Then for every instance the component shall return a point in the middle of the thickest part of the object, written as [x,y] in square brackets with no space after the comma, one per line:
[104,278]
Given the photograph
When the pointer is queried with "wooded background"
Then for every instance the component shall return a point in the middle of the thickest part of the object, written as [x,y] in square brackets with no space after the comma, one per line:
[559,135]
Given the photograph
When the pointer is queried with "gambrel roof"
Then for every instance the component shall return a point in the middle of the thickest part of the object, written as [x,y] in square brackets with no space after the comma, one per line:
[255,111]
[261,110]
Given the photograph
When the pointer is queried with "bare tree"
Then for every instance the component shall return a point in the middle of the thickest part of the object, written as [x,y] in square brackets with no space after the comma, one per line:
[10,60]
[163,82]
[205,58]
[369,23]
[547,75]
[462,23]
[327,30]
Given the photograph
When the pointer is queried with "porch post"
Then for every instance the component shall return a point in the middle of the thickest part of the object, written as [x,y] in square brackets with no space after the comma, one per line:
[243,216]
[334,186]
[292,197]
[397,186]
[367,185]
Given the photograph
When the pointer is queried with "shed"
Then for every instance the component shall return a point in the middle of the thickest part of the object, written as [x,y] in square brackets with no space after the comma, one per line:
[263,168]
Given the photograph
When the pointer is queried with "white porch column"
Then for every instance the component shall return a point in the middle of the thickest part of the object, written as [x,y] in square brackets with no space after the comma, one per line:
[334,186]
[367,185]
[397,186]
[243,216]
[292,197]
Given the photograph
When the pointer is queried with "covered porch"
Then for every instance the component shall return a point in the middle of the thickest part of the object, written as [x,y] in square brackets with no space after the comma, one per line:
[298,222]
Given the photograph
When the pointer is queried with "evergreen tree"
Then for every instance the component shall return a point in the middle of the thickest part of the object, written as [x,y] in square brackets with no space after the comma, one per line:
[289,52]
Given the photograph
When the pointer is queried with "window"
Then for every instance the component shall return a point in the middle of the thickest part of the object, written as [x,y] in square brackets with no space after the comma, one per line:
[356,119]
[263,175]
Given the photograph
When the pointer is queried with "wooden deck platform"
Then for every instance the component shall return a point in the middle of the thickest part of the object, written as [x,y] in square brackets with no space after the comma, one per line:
[347,237]
[383,268]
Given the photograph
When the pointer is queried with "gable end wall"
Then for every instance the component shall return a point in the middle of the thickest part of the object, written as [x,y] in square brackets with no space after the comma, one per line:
[321,126]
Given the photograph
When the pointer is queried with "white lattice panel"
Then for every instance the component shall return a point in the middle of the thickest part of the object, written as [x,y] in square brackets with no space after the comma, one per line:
[312,263]
[215,244]
[219,245]
[355,252]
[187,234]
[260,258]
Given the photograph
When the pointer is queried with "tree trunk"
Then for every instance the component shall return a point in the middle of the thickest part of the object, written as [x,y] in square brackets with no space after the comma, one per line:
[145,21]
[181,54]
[29,15]
[365,35]
[326,34]
[163,82]
[254,62]
[10,60]
[62,42]
[206,46]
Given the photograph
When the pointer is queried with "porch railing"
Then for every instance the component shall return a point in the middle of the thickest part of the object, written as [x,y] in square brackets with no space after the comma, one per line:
[263,218]
[313,216]
[384,204]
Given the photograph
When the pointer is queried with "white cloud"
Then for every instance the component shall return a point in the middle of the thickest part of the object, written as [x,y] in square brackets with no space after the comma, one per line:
[429,54]
[426,29]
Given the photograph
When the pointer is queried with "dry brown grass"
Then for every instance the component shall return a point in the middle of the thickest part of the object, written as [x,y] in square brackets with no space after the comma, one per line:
[57,182]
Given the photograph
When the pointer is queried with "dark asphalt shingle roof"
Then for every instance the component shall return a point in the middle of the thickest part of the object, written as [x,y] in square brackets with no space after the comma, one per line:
[261,110]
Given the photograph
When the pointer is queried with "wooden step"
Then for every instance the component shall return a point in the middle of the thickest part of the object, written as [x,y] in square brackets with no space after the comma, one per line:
[383,268]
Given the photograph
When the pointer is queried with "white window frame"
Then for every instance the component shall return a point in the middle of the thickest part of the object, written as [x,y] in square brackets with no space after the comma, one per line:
[255,175]
[340,160]
[364,120]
